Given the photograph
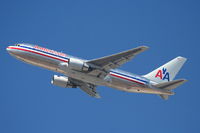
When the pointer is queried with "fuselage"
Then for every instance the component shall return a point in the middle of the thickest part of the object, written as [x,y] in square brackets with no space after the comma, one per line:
[53,60]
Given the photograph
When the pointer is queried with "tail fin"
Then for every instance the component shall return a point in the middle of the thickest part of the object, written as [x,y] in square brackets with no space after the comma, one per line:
[167,72]
[169,86]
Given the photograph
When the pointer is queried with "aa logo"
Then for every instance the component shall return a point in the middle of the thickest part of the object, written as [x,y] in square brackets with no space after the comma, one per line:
[163,74]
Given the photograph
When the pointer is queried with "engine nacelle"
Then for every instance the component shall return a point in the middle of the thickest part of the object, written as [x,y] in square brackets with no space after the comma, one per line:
[78,64]
[62,81]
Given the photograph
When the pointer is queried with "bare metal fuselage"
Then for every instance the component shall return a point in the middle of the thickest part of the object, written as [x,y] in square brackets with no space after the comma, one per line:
[115,78]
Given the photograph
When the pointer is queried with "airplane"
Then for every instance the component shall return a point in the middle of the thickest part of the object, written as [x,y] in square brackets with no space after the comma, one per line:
[88,74]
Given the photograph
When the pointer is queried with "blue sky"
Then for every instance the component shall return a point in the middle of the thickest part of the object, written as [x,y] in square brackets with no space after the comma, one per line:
[91,29]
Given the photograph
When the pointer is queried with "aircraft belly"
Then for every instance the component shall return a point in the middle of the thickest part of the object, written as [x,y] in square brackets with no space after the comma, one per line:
[38,60]
[121,84]
[128,86]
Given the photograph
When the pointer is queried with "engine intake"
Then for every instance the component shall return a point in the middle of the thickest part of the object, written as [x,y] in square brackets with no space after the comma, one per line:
[62,81]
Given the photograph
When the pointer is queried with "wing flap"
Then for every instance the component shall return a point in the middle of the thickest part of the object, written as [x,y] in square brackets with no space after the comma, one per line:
[90,89]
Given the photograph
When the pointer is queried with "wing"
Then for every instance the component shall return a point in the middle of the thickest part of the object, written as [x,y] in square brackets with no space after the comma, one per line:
[113,61]
[90,89]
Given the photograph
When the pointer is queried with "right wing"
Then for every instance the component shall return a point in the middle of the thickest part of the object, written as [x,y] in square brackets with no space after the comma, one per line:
[113,61]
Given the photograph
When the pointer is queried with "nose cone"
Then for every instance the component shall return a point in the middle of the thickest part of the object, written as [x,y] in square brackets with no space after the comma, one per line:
[10,50]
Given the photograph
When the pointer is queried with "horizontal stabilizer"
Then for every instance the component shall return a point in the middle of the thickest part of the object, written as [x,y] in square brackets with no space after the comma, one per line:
[165,97]
[171,84]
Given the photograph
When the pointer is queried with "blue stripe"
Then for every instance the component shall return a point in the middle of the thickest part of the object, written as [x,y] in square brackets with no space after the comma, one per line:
[44,52]
[130,77]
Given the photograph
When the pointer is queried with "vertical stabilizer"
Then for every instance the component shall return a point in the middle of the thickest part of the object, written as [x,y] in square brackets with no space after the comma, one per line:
[167,72]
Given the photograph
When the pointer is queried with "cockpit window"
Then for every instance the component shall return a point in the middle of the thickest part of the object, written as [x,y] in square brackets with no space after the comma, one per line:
[17,45]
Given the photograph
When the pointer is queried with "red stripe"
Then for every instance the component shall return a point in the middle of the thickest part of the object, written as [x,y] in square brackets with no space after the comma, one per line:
[126,79]
[37,53]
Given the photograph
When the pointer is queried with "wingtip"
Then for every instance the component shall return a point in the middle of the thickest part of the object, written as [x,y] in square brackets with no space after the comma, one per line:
[144,47]
[97,96]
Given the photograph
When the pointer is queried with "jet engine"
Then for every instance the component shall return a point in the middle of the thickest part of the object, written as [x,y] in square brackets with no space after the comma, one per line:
[62,81]
[78,64]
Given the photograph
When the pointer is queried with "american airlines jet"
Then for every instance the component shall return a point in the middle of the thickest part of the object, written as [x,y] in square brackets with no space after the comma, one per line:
[88,74]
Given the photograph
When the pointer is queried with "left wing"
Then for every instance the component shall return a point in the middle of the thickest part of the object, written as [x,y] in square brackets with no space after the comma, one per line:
[90,89]
[113,61]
